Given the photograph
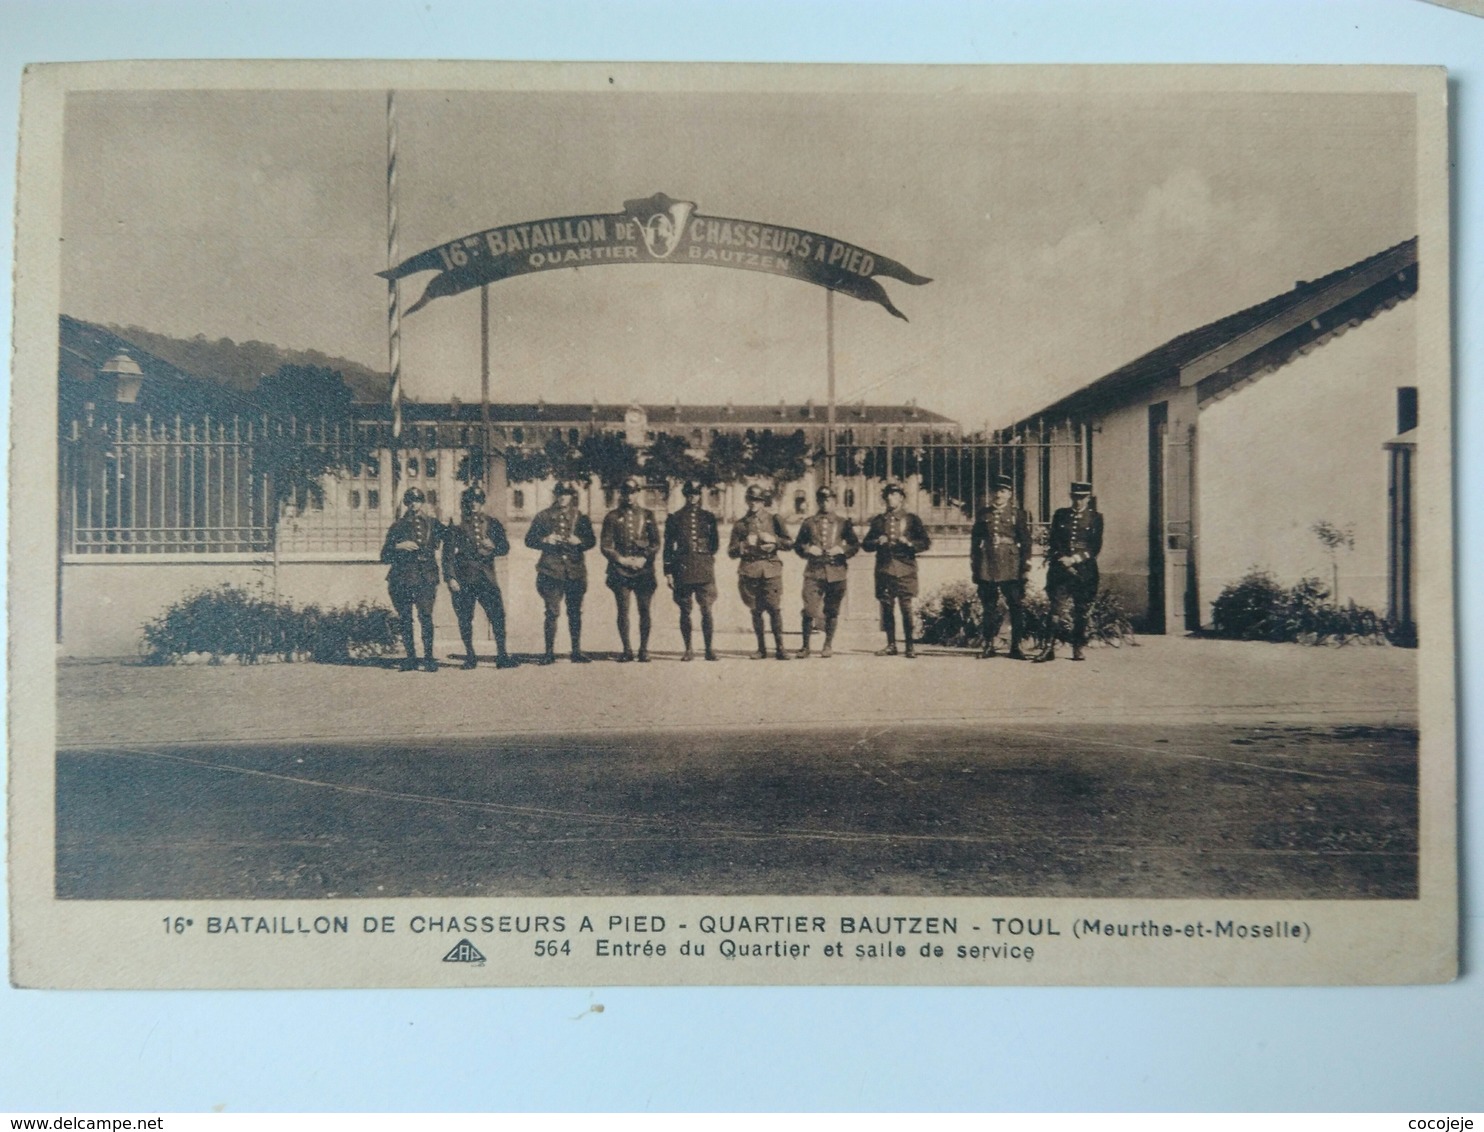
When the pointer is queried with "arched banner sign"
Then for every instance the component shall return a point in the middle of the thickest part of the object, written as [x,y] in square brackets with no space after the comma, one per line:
[657,229]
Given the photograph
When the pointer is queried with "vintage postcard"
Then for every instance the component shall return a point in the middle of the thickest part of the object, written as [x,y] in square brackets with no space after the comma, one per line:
[496,525]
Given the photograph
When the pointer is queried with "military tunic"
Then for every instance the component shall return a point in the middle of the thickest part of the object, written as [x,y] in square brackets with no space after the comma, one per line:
[412,580]
[691,543]
[470,548]
[413,576]
[1079,535]
[561,572]
[896,538]
[564,561]
[631,532]
[1000,545]
[1000,556]
[756,540]
[825,574]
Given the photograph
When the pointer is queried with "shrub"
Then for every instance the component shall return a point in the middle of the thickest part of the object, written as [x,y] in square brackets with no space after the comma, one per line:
[1257,608]
[249,626]
[1249,610]
[952,615]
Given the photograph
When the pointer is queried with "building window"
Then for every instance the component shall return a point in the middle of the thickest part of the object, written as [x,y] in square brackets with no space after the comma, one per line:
[373,500]
[715,497]
[372,470]
[433,499]
[355,500]
[850,497]
[430,467]
[412,468]
[1406,408]
[518,499]
[799,503]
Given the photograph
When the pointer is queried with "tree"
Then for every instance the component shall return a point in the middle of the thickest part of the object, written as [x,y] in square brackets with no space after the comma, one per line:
[1334,539]
[670,459]
[302,405]
[609,457]
[780,459]
[727,459]
[306,393]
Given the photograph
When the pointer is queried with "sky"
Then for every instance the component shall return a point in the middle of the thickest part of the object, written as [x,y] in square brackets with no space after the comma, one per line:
[1065,232]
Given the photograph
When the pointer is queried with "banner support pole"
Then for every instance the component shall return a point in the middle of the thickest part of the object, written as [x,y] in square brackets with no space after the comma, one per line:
[394,295]
[484,381]
[829,348]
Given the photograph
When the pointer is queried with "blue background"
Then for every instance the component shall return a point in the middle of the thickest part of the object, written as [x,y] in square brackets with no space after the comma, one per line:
[1370,1049]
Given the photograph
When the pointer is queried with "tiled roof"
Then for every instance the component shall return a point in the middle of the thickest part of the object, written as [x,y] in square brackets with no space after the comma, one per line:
[1355,291]
[660,416]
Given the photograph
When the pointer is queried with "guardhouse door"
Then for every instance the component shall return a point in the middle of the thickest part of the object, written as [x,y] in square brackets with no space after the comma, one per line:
[1159,427]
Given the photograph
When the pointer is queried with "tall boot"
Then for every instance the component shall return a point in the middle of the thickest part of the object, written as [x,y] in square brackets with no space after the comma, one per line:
[574,628]
[808,630]
[549,628]
[685,633]
[623,629]
[708,630]
[889,627]
[829,637]
[426,621]
[907,632]
[762,643]
[502,657]
[470,660]
[777,619]
[645,624]
[1016,630]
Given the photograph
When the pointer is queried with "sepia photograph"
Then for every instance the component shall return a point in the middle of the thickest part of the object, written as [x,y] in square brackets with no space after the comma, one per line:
[529,523]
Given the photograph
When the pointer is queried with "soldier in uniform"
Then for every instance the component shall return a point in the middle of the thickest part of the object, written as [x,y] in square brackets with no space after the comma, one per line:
[470,548]
[756,539]
[411,550]
[826,542]
[691,543]
[1000,556]
[1072,567]
[631,540]
[563,535]
[896,537]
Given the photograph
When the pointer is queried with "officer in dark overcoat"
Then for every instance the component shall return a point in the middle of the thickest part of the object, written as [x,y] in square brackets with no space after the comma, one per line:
[756,539]
[896,537]
[470,548]
[411,550]
[826,542]
[1000,557]
[691,543]
[563,535]
[1072,567]
[631,542]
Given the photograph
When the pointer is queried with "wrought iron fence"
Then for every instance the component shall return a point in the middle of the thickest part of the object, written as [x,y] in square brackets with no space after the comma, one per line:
[140,485]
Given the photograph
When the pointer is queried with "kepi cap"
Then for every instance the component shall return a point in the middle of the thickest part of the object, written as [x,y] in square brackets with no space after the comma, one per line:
[1081,488]
[630,485]
[756,493]
[691,488]
[1003,483]
[564,489]
[471,495]
[893,488]
[825,493]
[414,495]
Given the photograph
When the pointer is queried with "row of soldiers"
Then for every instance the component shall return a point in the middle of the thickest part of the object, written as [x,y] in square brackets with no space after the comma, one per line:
[418,548]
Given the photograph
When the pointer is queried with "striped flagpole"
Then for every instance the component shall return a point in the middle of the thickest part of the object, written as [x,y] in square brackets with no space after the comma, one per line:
[393,290]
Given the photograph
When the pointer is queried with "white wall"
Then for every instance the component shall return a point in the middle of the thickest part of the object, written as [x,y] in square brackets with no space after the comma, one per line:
[1120,480]
[1301,445]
